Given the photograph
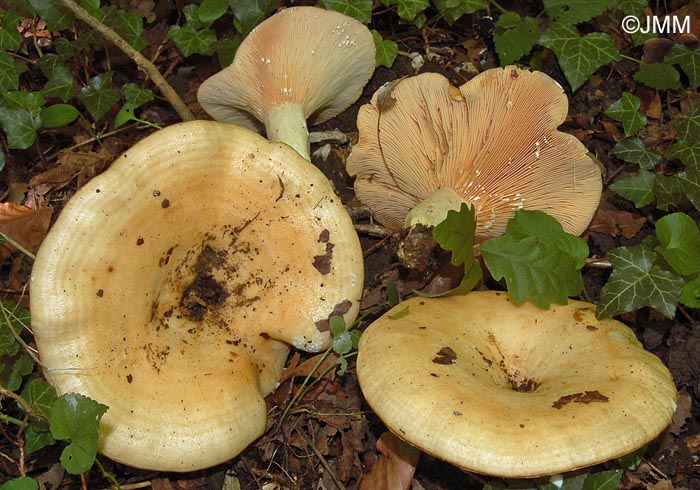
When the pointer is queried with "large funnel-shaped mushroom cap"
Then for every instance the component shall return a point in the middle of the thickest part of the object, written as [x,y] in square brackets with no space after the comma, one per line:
[170,286]
[302,59]
[493,141]
[513,391]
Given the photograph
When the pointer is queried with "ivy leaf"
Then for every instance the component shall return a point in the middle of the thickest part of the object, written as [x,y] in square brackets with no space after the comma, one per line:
[690,296]
[12,320]
[689,154]
[518,39]
[192,41]
[680,243]
[603,480]
[626,111]
[452,10]
[129,25]
[98,96]
[20,127]
[575,11]
[690,180]
[579,57]
[538,260]
[668,191]
[386,50]
[226,49]
[20,483]
[659,76]
[10,72]
[20,99]
[76,417]
[37,436]
[456,234]
[57,16]
[59,115]
[211,10]
[250,13]
[408,10]
[40,396]
[638,188]
[632,150]
[11,377]
[10,38]
[137,96]
[636,282]
[60,84]
[357,9]
[688,129]
[688,60]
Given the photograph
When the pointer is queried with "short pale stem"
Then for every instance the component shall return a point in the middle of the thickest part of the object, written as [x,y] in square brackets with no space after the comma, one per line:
[287,124]
[433,210]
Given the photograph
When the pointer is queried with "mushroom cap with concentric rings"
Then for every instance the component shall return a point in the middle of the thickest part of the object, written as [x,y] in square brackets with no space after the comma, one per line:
[171,285]
[513,390]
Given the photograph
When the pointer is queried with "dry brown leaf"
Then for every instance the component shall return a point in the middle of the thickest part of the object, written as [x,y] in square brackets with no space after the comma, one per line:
[396,465]
[307,367]
[615,223]
[24,225]
[682,412]
[83,165]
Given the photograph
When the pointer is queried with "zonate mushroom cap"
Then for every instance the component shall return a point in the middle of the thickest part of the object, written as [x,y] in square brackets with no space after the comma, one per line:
[513,391]
[301,63]
[170,286]
[492,143]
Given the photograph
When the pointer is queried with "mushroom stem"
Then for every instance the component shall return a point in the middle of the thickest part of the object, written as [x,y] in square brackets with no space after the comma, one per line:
[287,124]
[433,210]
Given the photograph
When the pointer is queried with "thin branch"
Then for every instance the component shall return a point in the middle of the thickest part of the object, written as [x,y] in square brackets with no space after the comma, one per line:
[143,64]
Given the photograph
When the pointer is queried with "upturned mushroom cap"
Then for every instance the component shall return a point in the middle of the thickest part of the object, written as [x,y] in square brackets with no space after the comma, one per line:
[493,143]
[170,286]
[301,63]
[513,391]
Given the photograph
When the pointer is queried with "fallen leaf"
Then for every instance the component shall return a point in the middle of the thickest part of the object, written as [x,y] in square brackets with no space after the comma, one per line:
[682,412]
[70,165]
[24,225]
[396,465]
[614,223]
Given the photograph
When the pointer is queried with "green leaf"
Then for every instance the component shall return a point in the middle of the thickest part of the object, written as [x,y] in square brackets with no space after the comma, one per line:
[357,9]
[690,180]
[690,296]
[20,483]
[342,344]
[680,243]
[689,154]
[659,76]
[408,9]
[129,25]
[250,13]
[626,111]
[638,188]
[2,159]
[579,57]
[37,436]
[137,96]
[192,41]
[517,40]
[20,99]
[632,150]
[576,11]
[452,10]
[689,61]
[59,115]
[226,49]
[12,319]
[688,129]
[10,72]
[20,127]
[98,96]
[456,234]
[337,325]
[605,480]
[13,375]
[538,260]
[636,282]
[386,50]
[10,38]
[57,16]
[669,192]
[60,84]
[76,417]
[40,396]
[631,461]
[211,10]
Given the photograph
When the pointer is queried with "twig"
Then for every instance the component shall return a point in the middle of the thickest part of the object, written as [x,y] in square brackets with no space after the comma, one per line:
[323,461]
[143,64]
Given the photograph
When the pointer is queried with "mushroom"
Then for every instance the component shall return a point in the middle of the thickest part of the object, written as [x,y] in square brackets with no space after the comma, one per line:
[425,147]
[301,63]
[513,391]
[171,285]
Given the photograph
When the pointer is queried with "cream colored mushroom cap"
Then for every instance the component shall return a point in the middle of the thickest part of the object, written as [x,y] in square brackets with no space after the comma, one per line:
[493,141]
[513,391]
[171,284]
[317,58]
